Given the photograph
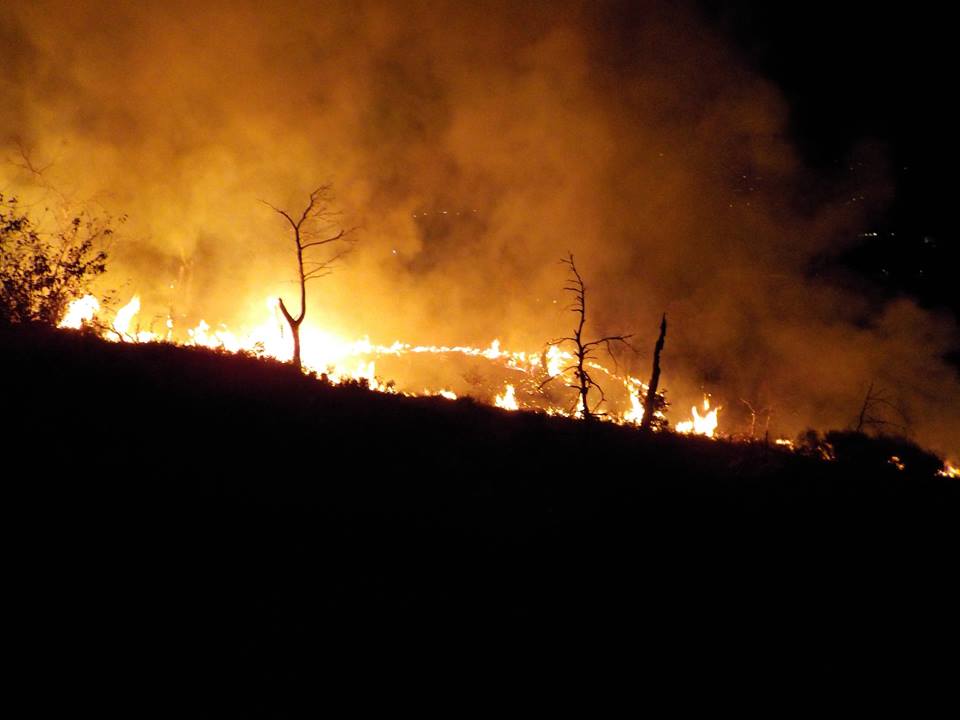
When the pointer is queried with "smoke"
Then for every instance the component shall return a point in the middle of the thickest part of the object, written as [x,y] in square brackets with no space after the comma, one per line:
[472,145]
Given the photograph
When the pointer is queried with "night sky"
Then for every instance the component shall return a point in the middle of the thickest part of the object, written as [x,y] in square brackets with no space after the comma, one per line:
[868,86]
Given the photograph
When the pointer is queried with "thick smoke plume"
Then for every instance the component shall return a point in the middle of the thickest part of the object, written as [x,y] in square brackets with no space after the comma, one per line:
[473,144]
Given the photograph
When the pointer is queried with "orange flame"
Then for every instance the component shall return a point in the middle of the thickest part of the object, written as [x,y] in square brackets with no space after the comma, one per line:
[949,470]
[705,425]
[80,311]
[508,400]
[344,360]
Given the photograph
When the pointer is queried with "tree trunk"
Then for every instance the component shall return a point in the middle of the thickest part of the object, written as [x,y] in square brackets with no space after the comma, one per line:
[295,331]
[583,384]
[294,324]
[649,406]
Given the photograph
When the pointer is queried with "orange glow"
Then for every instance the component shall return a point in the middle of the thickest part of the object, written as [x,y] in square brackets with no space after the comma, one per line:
[465,183]
[123,319]
[80,311]
[507,400]
[637,391]
[705,424]
[949,470]
[342,360]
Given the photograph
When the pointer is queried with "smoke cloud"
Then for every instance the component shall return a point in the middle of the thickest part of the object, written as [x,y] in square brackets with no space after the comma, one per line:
[472,145]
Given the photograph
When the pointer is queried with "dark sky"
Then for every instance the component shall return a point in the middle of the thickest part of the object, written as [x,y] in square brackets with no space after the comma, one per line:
[865,73]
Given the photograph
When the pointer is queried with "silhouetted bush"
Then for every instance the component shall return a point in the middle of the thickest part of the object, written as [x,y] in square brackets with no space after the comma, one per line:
[41,273]
[882,452]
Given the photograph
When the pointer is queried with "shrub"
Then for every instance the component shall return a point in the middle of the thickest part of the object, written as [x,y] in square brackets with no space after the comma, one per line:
[41,273]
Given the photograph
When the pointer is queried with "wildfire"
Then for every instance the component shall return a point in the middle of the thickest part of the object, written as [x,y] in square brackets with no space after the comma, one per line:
[949,470]
[508,400]
[124,317]
[635,413]
[341,360]
[79,312]
[701,424]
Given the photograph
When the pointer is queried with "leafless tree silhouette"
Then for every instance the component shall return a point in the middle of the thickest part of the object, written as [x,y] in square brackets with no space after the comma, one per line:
[650,404]
[767,412]
[320,243]
[585,351]
[876,411]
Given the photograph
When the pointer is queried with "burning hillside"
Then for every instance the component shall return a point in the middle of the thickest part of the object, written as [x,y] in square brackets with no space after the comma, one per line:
[508,379]
[471,145]
[330,403]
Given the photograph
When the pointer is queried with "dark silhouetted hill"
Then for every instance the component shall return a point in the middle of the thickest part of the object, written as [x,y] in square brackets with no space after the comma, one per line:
[224,536]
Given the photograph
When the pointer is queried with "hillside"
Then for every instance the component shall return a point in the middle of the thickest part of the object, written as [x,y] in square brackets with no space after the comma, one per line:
[194,524]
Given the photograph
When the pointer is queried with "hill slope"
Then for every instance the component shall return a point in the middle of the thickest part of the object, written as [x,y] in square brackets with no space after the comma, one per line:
[231,531]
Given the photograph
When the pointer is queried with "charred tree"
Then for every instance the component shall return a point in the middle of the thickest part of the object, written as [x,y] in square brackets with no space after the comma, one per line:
[583,382]
[876,411]
[320,243]
[650,404]
[766,412]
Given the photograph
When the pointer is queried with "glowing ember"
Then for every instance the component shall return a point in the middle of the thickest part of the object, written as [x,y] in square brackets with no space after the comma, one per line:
[701,424]
[508,400]
[80,311]
[949,470]
[896,462]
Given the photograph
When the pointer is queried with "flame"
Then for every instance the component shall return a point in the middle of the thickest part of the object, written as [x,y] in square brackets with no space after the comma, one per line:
[80,311]
[557,359]
[896,462]
[508,400]
[636,390]
[223,338]
[493,352]
[635,413]
[125,316]
[342,360]
[949,470]
[701,424]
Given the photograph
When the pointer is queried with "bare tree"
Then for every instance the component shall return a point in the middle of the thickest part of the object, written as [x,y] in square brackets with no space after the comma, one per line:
[876,410]
[582,380]
[767,412]
[320,243]
[650,404]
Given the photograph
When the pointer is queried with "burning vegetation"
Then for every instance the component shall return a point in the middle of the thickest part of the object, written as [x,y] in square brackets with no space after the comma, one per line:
[667,169]
[512,380]
[229,465]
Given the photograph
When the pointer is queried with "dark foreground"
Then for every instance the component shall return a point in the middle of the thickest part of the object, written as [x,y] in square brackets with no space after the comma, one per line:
[211,535]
